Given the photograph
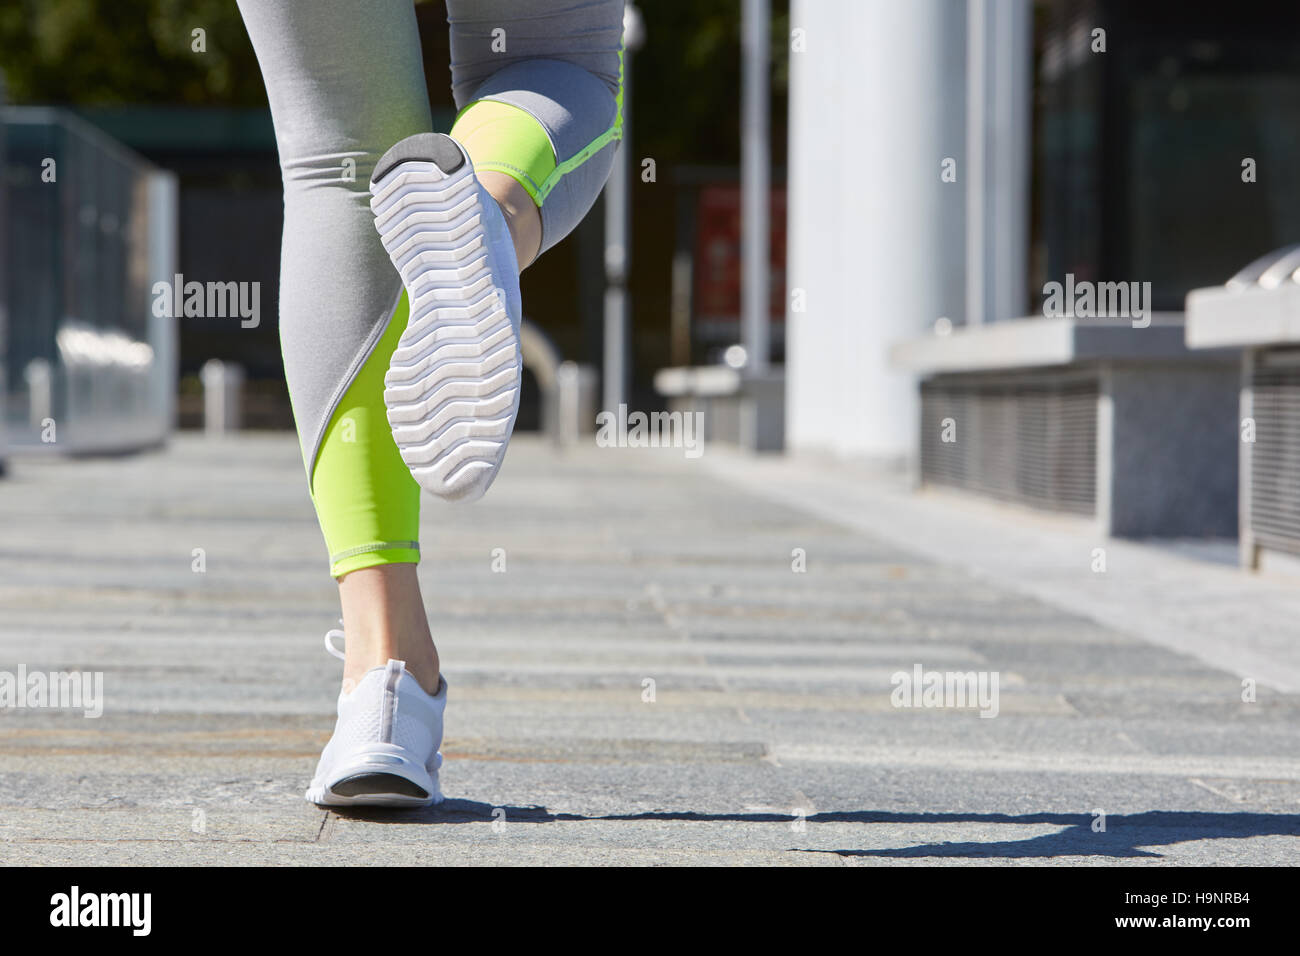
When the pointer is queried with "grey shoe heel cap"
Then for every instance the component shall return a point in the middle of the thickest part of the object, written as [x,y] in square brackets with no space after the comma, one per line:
[365,784]
[437,148]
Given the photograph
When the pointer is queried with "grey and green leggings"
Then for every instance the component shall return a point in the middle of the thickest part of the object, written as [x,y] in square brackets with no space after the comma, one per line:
[538,84]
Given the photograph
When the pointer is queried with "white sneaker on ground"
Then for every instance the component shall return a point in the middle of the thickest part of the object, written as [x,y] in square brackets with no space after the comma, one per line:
[384,751]
[453,383]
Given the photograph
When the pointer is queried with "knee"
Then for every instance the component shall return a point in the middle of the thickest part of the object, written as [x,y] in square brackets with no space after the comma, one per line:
[586,36]
[573,105]
[343,170]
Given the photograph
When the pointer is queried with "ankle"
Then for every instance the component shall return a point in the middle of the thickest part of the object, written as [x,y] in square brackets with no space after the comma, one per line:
[383,620]
[420,658]
[521,214]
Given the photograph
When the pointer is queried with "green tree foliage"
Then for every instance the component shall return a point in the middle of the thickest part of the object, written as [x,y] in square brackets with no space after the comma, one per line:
[686,101]
[687,95]
[101,52]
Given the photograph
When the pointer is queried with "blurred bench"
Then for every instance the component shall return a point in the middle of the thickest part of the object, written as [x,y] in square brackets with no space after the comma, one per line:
[1258,312]
[747,411]
[1085,416]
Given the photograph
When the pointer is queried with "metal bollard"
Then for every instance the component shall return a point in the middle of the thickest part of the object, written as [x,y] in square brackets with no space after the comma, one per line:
[40,392]
[575,387]
[222,382]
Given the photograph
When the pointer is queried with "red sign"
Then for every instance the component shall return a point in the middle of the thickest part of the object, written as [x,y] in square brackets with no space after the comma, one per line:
[717,266]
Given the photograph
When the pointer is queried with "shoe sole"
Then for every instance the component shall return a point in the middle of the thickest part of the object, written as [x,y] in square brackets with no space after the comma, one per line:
[452,387]
[376,788]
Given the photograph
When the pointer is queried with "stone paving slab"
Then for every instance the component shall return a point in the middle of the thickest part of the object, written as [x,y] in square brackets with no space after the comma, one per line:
[771,738]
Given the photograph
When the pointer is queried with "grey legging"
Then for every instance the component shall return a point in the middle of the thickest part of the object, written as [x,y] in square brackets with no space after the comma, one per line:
[345,82]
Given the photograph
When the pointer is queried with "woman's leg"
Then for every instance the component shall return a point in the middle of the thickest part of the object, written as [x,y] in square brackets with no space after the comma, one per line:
[345,81]
[539,87]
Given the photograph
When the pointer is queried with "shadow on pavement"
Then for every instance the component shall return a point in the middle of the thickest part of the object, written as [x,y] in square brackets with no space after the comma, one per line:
[1125,834]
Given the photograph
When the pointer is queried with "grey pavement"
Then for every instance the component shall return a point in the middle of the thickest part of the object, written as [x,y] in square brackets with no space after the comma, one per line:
[771,737]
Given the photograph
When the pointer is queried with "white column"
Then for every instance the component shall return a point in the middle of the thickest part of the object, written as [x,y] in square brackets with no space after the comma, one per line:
[999,85]
[875,235]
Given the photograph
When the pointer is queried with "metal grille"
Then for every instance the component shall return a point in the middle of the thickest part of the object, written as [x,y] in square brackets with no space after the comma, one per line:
[1028,439]
[1275,454]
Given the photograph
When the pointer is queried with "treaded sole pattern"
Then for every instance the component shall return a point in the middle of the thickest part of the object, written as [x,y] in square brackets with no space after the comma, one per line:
[452,387]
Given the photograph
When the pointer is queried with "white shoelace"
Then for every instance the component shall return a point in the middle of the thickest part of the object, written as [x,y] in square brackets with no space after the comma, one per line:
[329,643]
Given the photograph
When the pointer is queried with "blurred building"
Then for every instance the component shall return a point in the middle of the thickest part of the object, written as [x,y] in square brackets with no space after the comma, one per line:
[1139,151]
[950,162]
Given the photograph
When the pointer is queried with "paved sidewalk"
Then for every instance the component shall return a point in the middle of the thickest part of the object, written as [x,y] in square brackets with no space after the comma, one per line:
[1188,595]
[771,738]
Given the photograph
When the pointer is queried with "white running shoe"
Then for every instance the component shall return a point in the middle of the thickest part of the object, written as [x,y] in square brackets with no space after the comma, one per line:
[384,751]
[452,387]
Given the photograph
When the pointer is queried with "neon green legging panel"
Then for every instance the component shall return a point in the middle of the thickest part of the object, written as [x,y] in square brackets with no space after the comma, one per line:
[367,502]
